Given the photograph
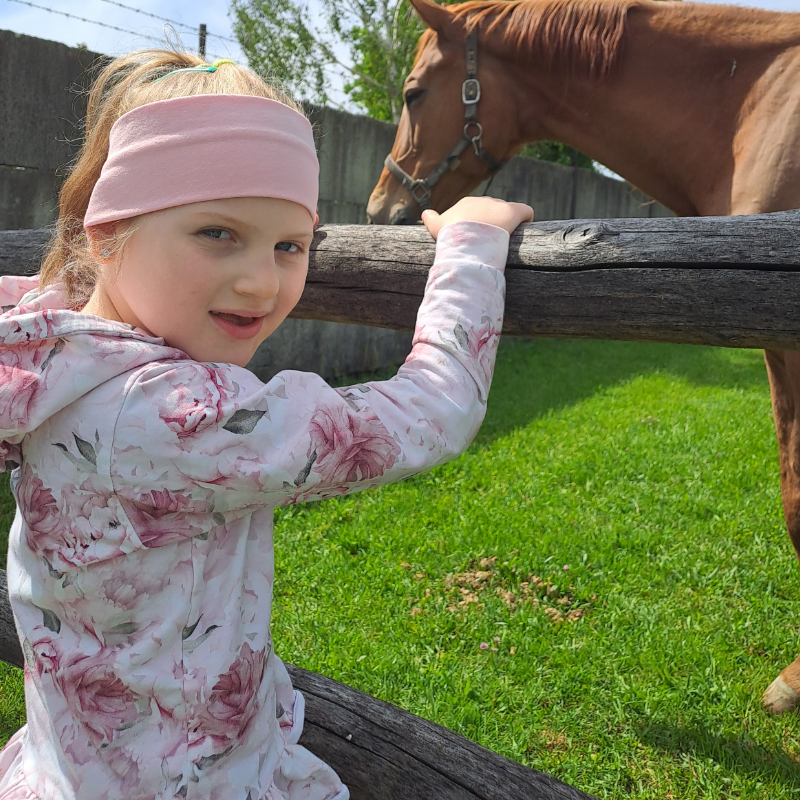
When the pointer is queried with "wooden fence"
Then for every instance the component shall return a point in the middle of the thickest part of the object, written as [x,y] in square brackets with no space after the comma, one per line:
[723,281]
[726,281]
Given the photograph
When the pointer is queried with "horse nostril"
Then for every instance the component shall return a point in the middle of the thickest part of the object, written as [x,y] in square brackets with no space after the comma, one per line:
[403,216]
[370,221]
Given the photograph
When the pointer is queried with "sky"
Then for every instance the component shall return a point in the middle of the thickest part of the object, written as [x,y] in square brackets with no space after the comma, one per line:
[20,18]
[15,16]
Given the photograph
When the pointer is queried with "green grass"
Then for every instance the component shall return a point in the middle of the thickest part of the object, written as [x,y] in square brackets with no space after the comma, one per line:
[651,471]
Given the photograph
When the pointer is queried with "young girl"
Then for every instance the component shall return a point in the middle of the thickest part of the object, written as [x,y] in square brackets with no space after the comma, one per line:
[147,460]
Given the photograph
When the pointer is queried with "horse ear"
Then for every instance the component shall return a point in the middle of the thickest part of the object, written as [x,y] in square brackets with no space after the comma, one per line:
[435,16]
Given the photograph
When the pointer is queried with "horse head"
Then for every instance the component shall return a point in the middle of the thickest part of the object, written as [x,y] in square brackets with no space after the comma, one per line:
[433,120]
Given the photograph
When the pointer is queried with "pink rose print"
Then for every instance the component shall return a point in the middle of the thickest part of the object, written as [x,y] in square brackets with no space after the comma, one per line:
[127,589]
[9,452]
[21,381]
[37,503]
[41,657]
[348,447]
[67,529]
[46,657]
[86,507]
[161,517]
[482,344]
[232,705]
[97,697]
[194,402]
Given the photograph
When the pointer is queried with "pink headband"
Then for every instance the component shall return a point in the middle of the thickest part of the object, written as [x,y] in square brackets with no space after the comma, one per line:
[205,147]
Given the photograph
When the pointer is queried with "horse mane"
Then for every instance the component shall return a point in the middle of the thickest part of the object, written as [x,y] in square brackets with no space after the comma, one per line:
[579,35]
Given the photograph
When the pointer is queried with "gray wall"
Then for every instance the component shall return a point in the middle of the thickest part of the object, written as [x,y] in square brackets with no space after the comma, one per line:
[352,150]
[42,103]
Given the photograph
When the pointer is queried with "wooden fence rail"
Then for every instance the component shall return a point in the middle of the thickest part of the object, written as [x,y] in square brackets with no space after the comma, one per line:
[728,281]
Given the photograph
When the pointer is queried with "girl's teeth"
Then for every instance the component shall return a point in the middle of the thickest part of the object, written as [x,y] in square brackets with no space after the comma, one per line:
[236,319]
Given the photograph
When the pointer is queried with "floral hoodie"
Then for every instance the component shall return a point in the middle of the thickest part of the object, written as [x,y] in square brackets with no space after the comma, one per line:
[140,563]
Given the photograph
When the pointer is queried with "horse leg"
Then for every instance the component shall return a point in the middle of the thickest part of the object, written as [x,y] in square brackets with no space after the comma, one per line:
[783,370]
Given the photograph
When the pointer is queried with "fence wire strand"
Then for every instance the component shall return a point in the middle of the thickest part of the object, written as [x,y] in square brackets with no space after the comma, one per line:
[166,19]
[115,27]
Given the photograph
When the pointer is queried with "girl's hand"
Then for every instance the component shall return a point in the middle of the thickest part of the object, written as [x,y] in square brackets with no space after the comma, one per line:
[479,209]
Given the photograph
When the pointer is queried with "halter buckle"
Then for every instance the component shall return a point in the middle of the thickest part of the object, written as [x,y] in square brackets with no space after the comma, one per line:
[470,91]
[419,191]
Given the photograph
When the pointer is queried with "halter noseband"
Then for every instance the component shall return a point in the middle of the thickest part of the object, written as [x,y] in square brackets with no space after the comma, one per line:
[470,94]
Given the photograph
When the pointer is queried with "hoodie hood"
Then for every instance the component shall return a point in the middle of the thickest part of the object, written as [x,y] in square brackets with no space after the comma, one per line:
[50,356]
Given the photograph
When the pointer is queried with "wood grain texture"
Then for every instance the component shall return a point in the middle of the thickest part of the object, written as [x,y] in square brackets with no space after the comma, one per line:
[21,252]
[10,651]
[728,281]
[380,751]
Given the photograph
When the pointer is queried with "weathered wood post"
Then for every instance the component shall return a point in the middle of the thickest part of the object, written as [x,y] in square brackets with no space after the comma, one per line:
[727,281]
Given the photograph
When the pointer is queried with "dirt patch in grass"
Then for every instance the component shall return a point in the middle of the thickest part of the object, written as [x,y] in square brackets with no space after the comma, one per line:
[485,577]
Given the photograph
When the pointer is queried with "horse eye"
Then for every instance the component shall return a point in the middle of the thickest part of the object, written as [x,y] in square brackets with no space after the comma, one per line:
[412,95]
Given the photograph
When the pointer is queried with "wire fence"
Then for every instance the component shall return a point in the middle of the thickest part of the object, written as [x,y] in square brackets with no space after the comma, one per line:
[159,40]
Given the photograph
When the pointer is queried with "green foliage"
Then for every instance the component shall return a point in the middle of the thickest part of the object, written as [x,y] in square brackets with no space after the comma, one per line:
[279,44]
[282,42]
[651,471]
[382,45]
[559,153]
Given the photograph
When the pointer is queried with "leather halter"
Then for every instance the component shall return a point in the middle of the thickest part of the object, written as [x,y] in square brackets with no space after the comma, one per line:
[470,95]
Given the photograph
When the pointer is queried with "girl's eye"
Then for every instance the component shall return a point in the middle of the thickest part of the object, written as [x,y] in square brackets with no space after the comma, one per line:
[216,233]
[288,247]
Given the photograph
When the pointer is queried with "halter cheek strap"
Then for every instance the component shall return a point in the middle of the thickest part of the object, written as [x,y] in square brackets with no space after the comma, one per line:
[421,189]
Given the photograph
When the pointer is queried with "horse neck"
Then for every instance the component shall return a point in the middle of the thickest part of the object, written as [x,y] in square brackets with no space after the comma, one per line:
[665,117]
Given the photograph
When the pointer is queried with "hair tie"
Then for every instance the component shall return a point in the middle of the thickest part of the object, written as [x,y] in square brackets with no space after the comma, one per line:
[210,68]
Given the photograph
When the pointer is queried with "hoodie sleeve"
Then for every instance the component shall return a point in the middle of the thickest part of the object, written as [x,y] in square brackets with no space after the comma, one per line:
[213,439]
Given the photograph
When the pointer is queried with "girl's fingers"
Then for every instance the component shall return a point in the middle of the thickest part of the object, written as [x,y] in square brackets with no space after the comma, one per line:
[479,209]
[527,212]
[432,221]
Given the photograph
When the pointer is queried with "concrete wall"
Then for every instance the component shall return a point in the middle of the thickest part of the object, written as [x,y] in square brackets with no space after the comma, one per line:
[42,104]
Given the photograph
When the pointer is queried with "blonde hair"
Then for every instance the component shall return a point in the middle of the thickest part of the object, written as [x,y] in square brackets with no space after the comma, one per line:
[122,85]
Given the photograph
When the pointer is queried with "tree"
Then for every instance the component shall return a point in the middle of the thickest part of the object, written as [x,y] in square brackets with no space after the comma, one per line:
[282,42]
[558,153]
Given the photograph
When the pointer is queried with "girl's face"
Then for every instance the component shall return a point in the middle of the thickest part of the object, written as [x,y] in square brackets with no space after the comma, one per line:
[214,279]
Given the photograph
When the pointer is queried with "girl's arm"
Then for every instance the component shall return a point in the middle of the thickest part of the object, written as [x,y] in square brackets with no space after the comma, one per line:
[212,438]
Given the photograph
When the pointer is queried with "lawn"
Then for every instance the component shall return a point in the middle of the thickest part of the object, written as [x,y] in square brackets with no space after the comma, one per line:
[600,588]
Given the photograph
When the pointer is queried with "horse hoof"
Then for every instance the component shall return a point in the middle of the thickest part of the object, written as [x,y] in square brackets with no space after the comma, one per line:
[780,697]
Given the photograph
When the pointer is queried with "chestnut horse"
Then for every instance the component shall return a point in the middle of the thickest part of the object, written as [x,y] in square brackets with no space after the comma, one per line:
[697,105]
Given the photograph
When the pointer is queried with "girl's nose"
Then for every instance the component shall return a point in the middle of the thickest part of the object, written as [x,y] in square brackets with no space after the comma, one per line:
[259,280]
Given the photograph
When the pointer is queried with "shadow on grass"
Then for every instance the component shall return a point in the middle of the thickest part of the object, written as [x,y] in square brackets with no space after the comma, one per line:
[534,377]
[733,754]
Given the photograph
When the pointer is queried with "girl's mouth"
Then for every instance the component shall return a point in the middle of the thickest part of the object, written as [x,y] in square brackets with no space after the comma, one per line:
[236,325]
